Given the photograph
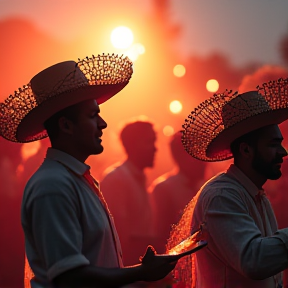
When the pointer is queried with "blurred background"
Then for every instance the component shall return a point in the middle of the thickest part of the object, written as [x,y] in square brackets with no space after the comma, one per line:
[183,52]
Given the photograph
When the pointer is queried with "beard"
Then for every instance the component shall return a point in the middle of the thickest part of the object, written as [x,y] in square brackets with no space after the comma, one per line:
[267,169]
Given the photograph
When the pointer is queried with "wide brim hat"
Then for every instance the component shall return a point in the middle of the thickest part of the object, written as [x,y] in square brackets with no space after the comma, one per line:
[23,114]
[210,128]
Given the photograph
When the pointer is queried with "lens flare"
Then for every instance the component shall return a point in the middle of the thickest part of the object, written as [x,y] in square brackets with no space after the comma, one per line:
[134,51]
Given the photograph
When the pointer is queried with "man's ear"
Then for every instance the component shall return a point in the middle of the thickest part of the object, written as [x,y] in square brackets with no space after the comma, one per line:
[65,125]
[245,150]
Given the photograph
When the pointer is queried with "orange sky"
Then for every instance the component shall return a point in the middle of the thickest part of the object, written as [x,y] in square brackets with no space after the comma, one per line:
[40,33]
[245,30]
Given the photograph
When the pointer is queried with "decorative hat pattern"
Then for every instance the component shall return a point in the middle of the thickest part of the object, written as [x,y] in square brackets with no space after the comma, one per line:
[217,122]
[64,84]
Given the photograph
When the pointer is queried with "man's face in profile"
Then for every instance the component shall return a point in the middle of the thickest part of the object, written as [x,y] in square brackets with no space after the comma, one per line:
[87,129]
[269,153]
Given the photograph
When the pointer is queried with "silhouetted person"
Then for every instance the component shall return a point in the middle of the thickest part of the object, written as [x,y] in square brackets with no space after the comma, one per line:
[172,191]
[124,188]
[245,247]
[70,237]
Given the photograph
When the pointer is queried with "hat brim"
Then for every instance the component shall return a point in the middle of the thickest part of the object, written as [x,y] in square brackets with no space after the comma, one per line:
[219,148]
[31,127]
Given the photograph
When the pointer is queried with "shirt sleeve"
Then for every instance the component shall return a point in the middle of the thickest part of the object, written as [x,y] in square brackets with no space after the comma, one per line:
[56,229]
[238,240]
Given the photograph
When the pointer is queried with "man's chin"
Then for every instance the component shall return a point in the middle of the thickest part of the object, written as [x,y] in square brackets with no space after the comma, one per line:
[98,150]
[275,176]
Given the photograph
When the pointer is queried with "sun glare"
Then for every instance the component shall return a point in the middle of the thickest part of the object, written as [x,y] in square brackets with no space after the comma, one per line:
[140,48]
[175,106]
[212,85]
[122,37]
[179,70]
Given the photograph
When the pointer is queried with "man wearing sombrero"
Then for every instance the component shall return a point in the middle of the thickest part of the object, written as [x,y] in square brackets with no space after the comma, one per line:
[245,249]
[70,237]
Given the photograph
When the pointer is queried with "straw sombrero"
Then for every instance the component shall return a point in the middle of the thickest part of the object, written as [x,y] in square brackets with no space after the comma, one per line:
[64,84]
[217,122]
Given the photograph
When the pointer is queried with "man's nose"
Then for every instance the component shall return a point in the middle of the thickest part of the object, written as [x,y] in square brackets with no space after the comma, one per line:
[102,123]
[284,152]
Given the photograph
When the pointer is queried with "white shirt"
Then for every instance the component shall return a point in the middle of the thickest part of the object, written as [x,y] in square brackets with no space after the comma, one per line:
[64,222]
[244,249]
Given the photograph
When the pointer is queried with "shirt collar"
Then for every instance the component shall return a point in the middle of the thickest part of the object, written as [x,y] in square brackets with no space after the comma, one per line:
[238,175]
[67,160]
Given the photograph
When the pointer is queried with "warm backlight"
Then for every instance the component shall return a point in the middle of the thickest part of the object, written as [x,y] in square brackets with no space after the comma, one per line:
[29,149]
[122,37]
[179,70]
[168,130]
[134,51]
[175,106]
[212,85]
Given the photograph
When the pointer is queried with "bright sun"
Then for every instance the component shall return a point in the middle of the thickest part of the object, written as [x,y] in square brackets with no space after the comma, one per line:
[121,37]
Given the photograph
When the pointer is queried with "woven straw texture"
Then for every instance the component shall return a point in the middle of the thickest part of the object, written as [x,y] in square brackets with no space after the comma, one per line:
[101,70]
[223,112]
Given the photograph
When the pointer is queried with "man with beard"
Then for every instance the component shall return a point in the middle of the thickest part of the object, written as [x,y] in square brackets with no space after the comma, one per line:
[245,247]
[70,237]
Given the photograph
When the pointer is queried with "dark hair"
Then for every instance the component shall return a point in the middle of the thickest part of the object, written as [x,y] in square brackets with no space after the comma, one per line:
[52,124]
[135,132]
[250,138]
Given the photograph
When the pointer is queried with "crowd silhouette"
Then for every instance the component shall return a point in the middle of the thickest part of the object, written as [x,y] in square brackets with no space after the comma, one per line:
[172,191]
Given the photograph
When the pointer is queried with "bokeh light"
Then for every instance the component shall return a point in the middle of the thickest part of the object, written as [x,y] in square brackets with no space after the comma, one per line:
[179,70]
[168,130]
[122,37]
[175,106]
[212,85]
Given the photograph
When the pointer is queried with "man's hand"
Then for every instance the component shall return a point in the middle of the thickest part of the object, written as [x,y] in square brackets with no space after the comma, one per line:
[155,267]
